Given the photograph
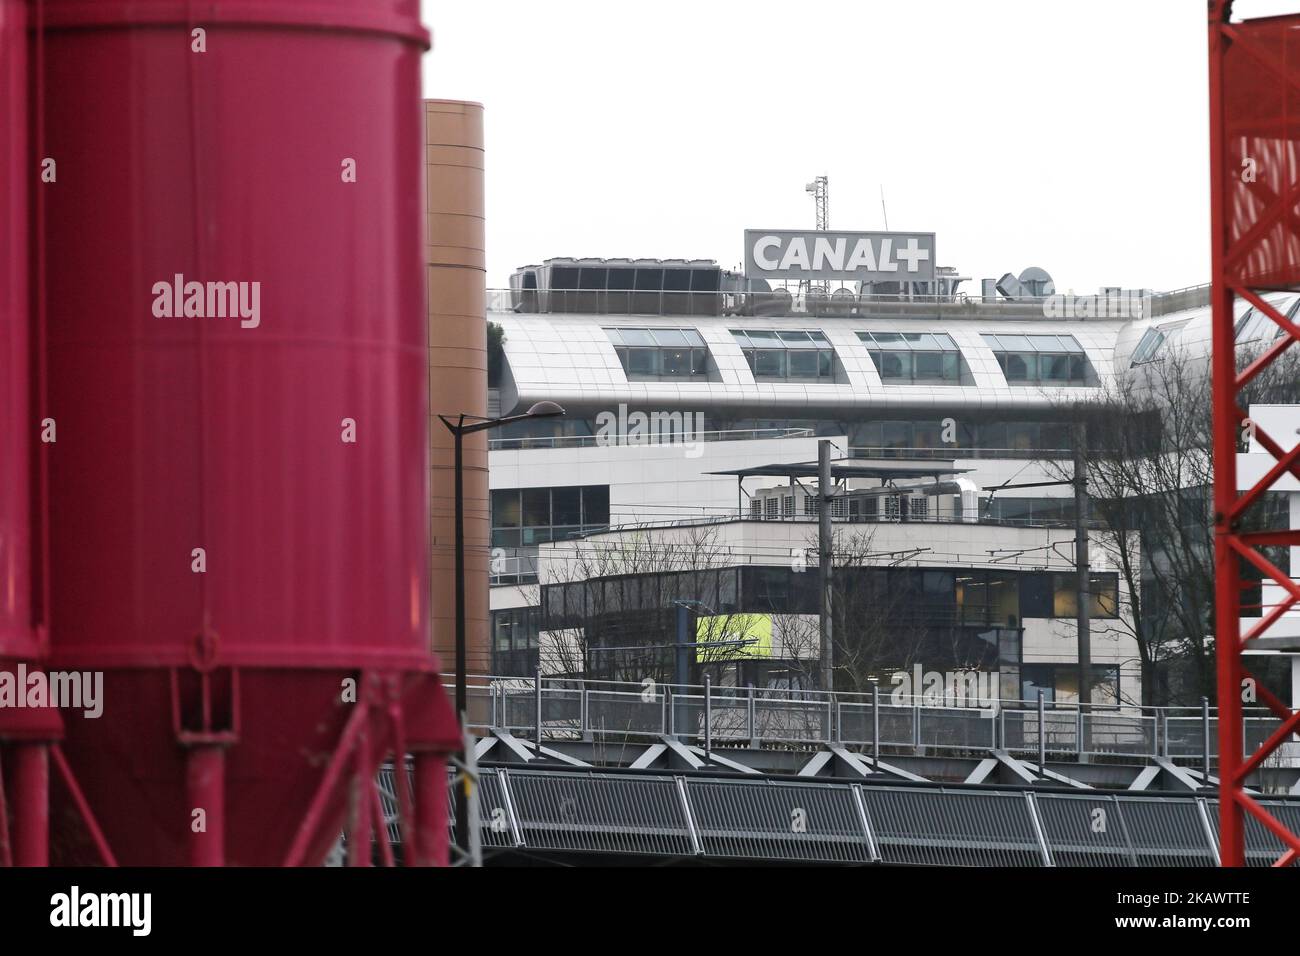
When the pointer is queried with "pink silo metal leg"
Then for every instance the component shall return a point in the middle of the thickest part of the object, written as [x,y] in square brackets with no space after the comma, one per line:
[205,770]
[381,832]
[430,810]
[31,804]
[359,849]
[69,781]
[6,854]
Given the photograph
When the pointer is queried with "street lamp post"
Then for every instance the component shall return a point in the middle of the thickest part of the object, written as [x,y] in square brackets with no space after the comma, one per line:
[459,428]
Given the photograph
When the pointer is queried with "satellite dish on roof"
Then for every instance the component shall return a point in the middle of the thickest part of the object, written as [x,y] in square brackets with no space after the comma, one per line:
[776,302]
[1037,281]
[842,302]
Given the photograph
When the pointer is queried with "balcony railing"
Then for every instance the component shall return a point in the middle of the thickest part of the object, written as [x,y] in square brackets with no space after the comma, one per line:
[886,452]
[956,452]
[572,709]
[648,438]
[728,515]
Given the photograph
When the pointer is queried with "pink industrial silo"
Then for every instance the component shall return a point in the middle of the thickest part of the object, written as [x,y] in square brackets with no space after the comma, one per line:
[17,635]
[237,366]
[27,735]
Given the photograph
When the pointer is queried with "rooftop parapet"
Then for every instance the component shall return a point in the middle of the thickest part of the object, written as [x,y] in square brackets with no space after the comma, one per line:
[841,303]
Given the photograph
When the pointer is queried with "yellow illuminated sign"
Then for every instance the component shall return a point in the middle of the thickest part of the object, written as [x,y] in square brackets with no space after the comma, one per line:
[729,637]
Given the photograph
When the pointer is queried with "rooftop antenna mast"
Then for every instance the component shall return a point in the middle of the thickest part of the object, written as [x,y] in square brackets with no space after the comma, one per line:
[883,211]
[819,189]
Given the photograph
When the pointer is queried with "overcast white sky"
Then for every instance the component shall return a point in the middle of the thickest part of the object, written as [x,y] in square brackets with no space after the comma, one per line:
[1067,134]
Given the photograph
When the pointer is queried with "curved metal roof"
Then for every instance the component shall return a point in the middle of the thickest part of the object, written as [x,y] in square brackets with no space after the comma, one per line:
[570,359]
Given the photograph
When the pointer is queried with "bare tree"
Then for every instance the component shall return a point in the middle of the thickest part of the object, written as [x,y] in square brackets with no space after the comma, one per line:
[1151,475]
[612,602]
[612,609]
[877,628]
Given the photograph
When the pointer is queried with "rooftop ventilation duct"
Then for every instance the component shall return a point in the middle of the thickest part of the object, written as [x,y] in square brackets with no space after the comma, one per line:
[1033,283]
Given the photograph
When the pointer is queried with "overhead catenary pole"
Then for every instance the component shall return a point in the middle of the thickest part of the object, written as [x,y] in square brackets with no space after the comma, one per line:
[459,428]
[1083,584]
[819,189]
[682,665]
[826,556]
[463,782]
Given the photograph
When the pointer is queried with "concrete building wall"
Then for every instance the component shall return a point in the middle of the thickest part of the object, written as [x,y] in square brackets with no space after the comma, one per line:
[941,544]
[652,482]
[663,482]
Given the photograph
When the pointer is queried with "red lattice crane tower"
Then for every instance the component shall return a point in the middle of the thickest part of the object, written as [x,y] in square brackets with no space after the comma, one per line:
[1255,232]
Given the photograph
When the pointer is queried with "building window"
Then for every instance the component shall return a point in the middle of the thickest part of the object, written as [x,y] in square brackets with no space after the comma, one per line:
[1035,678]
[1040,359]
[1060,683]
[1255,326]
[1054,594]
[1250,327]
[864,509]
[768,590]
[787,356]
[1031,511]
[515,641]
[540,432]
[989,598]
[654,354]
[1147,347]
[905,358]
[514,628]
[526,517]
[881,438]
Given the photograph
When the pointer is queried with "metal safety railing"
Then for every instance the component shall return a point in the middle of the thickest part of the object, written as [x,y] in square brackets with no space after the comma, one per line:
[677,437]
[1180,300]
[843,302]
[724,516]
[780,820]
[937,515]
[882,721]
[956,452]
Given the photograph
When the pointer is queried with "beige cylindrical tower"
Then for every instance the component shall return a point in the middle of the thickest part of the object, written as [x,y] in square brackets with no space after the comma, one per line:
[457,371]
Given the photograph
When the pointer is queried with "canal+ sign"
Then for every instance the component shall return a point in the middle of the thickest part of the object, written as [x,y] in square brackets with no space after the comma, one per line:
[847,256]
